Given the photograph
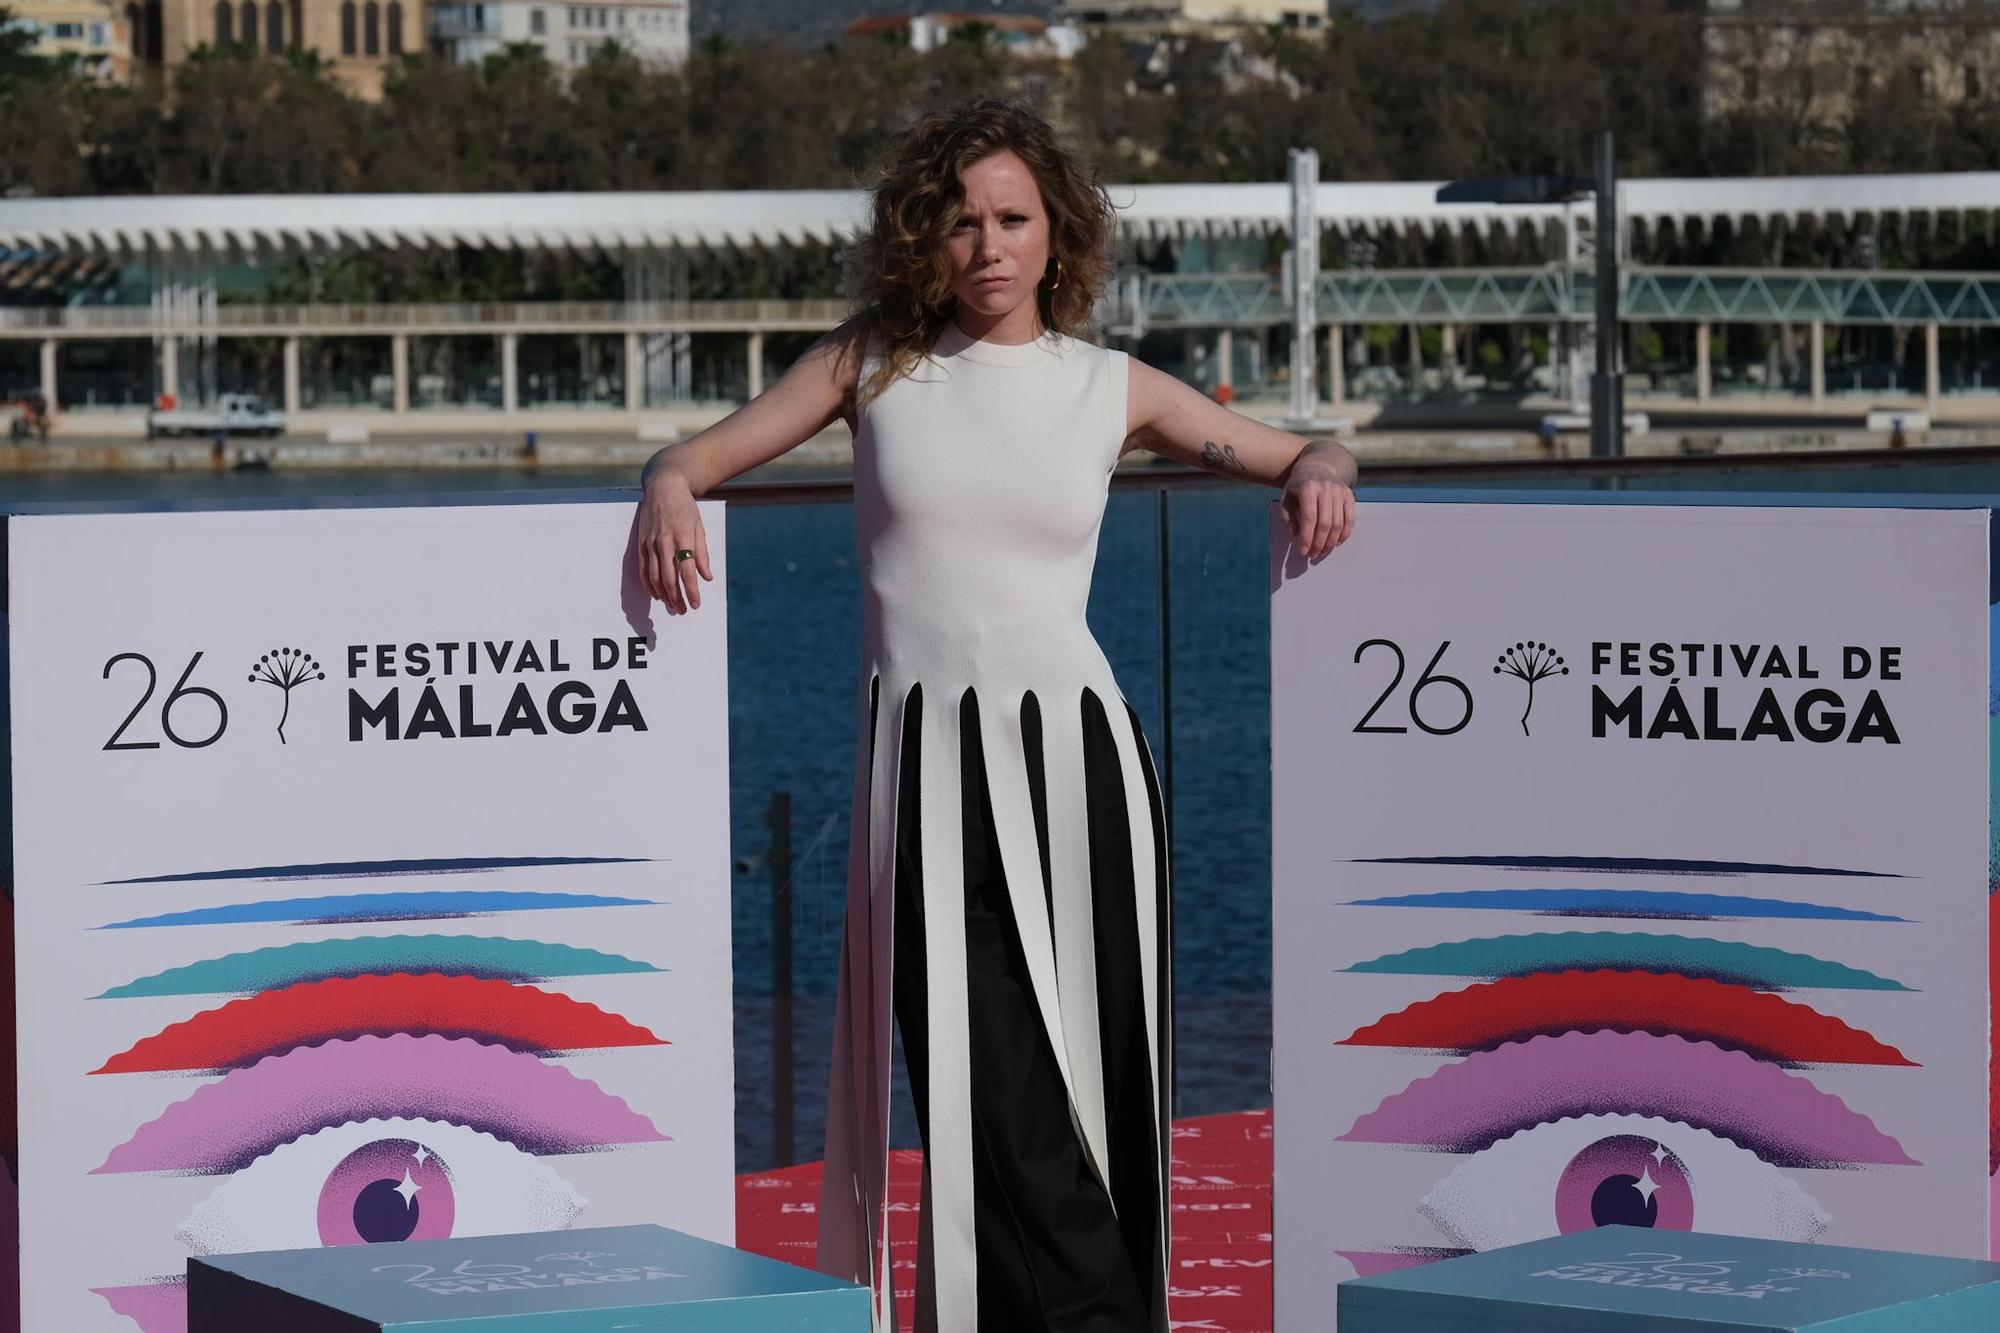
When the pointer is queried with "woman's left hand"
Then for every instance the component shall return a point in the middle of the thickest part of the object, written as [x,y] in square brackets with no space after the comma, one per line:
[1318,505]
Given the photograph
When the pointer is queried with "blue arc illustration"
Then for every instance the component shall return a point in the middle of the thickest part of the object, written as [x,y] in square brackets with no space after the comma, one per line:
[378,907]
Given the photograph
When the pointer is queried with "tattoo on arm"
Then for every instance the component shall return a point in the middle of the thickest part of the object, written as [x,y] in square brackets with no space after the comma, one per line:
[1220,457]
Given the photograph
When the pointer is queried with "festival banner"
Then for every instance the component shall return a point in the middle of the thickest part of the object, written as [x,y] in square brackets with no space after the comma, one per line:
[370,882]
[1631,865]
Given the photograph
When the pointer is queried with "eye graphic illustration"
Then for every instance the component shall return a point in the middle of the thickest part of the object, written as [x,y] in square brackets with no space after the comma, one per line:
[381,1180]
[1484,1016]
[1560,1131]
[242,1031]
[379,1087]
[487,1112]
[1754,966]
[1617,1170]
[224,1126]
[492,956]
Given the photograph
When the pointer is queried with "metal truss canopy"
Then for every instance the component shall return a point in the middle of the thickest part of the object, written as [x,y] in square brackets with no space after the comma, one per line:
[1539,295]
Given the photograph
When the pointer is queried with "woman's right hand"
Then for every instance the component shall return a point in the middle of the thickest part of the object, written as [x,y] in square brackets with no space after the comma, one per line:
[811,395]
[667,521]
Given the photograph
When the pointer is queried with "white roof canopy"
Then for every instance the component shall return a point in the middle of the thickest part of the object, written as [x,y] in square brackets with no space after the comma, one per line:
[141,225]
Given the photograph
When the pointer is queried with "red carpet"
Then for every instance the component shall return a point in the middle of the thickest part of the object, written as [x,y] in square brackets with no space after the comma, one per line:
[1222,1221]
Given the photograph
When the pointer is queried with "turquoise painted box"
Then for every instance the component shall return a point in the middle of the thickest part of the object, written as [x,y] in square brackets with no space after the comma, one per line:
[1637,1280]
[583,1281]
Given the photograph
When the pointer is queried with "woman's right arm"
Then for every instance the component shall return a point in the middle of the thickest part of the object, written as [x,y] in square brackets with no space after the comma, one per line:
[816,391]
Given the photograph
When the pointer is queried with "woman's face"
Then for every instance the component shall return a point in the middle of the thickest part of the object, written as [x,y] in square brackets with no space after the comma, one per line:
[1000,244]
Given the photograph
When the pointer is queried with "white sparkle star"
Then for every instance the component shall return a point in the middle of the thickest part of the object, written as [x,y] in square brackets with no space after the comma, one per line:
[1659,1152]
[408,1189]
[1646,1186]
[422,1154]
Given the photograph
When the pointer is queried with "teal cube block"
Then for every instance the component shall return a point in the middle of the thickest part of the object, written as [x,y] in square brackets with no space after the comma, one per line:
[1636,1280]
[583,1281]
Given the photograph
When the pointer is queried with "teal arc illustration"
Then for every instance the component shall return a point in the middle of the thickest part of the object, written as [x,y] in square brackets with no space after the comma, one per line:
[494,957]
[1754,966]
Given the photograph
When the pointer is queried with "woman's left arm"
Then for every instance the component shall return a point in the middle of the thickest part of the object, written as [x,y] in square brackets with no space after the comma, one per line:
[1169,418]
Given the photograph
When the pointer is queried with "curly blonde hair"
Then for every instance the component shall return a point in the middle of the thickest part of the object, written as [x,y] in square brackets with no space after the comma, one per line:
[901,269]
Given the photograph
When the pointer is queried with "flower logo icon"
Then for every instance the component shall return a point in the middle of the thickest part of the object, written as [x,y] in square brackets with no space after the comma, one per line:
[285,668]
[1530,661]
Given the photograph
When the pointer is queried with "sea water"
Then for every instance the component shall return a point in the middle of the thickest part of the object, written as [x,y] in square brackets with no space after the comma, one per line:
[793,653]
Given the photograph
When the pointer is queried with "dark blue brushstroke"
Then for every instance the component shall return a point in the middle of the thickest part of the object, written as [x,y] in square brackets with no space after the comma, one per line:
[1993,556]
[378,907]
[1626,903]
[366,869]
[1619,865]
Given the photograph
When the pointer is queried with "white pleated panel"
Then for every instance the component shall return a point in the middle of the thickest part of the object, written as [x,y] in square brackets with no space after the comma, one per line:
[1139,818]
[1075,925]
[853,1218]
[926,1288]
[846,1238]
[885,784]
[1161,965]
[843,1233]
[948,1038]
[1006,756]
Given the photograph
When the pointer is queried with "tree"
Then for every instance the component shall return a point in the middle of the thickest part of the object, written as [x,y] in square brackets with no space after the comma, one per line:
[41,118]
[241,122]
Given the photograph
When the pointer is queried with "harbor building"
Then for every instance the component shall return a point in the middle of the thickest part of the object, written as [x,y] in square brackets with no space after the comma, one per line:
[1198,292]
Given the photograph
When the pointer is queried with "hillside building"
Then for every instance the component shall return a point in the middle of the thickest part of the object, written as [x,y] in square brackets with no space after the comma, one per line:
[1154,18]
[360,39]
[93,32]
[655,31]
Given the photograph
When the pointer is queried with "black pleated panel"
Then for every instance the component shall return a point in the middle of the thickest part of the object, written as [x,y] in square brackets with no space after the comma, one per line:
[1038,792]
[1130,1114]
[1051,1252]
[911,982]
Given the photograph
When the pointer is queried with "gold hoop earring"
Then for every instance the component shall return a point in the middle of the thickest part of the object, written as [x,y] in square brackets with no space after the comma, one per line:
[1058,282]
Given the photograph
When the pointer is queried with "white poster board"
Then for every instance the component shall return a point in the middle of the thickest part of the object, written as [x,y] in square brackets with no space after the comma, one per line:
[1630,865]
[371,881]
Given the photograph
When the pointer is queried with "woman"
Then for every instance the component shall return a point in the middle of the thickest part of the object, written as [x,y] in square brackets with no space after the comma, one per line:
[1007,870]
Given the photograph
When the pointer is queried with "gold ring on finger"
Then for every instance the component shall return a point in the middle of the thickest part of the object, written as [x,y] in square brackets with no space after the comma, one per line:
[683,554]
